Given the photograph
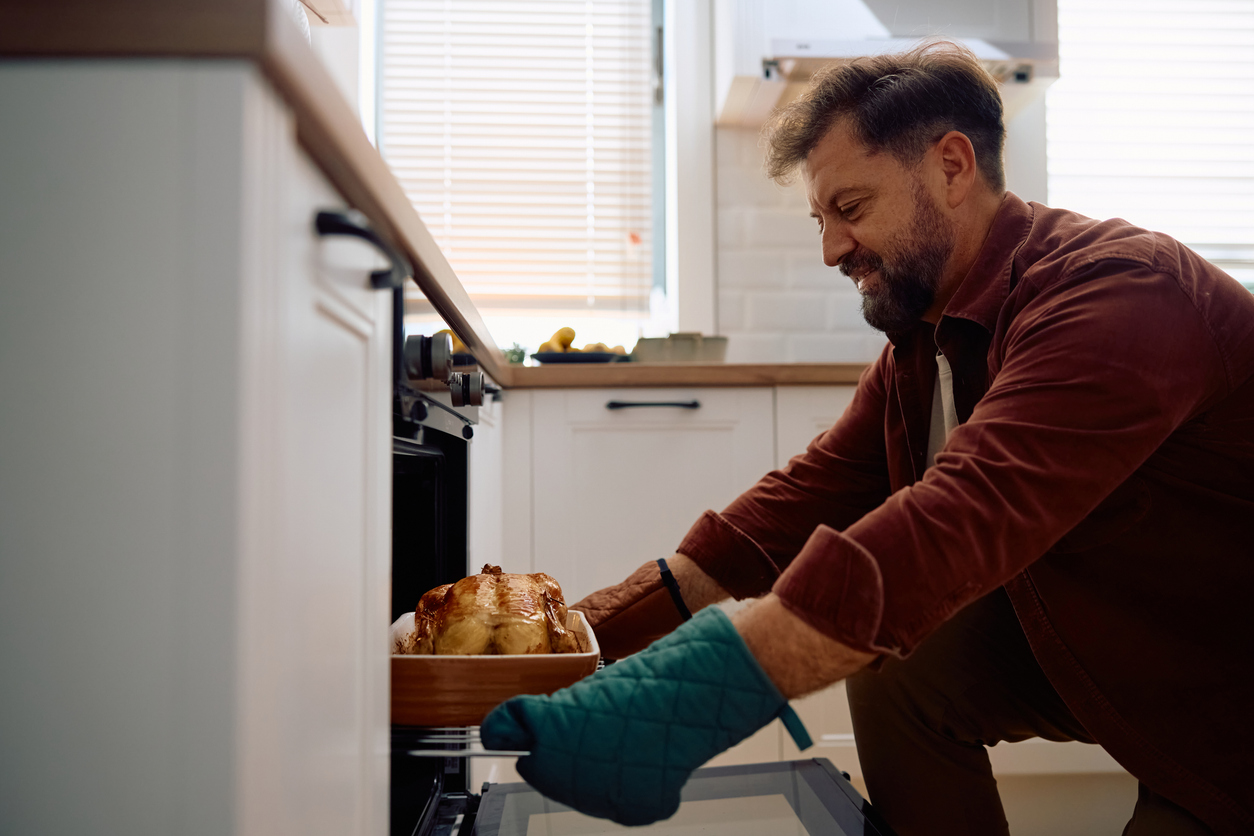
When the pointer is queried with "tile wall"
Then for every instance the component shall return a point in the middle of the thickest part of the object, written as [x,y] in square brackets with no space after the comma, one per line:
[777,302]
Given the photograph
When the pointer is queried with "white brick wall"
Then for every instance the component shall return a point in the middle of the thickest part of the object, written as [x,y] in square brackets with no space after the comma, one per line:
[777,302]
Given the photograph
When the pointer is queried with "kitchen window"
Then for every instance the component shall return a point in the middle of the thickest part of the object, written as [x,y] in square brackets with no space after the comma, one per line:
[524,133]
[1152,120]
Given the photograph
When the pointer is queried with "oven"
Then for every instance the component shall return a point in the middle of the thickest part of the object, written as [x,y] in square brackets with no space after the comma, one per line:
[434,415]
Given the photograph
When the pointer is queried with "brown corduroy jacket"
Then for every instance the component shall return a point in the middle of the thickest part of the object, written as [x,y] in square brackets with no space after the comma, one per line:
[1103,473]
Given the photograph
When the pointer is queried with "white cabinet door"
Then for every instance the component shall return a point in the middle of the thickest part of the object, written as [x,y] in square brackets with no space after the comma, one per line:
[802,413]
[612,488]
[317,356]
[335,508]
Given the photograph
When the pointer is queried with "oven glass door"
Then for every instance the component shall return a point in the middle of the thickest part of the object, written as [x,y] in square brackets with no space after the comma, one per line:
[798,798]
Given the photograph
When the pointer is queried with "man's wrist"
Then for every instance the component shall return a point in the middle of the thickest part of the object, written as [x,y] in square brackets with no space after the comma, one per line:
[698,589]
[798,658]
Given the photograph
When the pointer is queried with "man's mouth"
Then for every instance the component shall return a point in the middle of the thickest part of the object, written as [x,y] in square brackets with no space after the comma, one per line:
[860,276]
[860,270]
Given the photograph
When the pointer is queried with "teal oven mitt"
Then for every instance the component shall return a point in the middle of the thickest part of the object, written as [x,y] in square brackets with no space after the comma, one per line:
[620,744]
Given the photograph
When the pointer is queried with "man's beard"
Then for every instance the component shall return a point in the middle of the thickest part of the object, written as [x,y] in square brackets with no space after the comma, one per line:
[908,281]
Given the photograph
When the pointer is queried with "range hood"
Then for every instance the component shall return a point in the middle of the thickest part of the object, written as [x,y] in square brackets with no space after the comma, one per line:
[766,51]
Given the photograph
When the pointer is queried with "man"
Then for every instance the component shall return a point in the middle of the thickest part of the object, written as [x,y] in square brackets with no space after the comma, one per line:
[1036,517]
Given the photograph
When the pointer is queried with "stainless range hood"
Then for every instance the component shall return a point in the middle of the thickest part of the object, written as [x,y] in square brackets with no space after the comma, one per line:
[766,51]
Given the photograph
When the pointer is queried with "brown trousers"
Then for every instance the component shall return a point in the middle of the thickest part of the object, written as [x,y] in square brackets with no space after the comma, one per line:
[921,725]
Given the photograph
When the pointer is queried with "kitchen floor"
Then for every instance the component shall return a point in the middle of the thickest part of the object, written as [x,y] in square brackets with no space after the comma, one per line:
[1076,805]
[1096,804]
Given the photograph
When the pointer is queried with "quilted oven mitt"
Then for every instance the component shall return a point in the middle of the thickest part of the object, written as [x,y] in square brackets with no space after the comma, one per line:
[621,744]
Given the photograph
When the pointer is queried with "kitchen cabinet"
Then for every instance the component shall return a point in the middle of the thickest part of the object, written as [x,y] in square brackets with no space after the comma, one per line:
[609,488]
[195,525]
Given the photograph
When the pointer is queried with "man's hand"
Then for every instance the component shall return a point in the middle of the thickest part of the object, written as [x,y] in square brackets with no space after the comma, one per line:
[620,744]
[797,658]
[629,616]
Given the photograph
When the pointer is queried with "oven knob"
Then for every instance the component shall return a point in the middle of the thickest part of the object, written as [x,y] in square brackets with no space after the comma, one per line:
[466,388]
[427,357]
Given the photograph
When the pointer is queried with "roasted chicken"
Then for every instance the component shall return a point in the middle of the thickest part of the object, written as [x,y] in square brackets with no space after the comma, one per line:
[492,613]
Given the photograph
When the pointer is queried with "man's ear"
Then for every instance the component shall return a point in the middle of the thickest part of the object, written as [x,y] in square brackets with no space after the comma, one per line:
[957,162]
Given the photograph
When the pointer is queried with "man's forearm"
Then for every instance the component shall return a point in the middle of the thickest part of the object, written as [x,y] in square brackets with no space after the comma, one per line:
[798,658]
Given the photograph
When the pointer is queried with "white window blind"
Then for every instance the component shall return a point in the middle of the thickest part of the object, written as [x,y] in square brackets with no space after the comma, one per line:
[521,131]
[1152,120]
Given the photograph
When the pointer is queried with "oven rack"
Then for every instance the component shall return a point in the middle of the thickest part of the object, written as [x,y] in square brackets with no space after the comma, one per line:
[452,742]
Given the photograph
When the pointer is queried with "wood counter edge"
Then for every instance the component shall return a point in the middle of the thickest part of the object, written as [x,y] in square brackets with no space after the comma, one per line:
[261,31]
[613,375]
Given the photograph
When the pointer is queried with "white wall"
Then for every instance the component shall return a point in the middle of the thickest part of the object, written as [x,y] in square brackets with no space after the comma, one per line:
[777,302]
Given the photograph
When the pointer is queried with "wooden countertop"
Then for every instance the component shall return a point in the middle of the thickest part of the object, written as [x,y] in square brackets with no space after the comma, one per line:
[261,31]
[613,375]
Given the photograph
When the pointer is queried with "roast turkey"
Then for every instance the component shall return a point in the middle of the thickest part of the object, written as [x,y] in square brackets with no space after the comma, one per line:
[492,613]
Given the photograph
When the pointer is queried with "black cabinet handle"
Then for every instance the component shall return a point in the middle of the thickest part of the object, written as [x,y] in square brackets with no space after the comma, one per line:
[649,404]
[354,224]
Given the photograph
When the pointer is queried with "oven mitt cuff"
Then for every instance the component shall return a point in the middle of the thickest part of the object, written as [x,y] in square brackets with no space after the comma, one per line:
[621,744]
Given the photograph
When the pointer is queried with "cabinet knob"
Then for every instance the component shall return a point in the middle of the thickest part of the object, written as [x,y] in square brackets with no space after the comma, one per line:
[354,224]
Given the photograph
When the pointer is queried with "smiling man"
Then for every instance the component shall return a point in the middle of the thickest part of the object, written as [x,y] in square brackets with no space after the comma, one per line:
[1035,519]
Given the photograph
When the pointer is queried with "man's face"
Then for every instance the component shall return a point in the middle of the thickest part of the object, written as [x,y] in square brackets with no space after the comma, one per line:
[880,225]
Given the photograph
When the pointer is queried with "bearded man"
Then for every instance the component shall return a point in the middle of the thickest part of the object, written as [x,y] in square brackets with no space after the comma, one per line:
[1035,519]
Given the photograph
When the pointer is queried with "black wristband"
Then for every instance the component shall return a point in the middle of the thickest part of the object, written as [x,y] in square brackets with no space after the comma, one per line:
[672,586]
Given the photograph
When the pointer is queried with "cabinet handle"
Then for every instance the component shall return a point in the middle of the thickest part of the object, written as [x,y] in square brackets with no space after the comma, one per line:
[662,404]
[354,224]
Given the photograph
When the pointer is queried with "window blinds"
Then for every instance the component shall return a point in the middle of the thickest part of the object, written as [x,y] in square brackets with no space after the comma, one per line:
[1152,120]
[521,132]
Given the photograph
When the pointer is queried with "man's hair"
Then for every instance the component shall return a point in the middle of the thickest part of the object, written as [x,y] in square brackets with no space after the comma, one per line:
[897,103]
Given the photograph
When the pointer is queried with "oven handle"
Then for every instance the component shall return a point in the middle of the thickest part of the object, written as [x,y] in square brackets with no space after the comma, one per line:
[354,224]
[651,404]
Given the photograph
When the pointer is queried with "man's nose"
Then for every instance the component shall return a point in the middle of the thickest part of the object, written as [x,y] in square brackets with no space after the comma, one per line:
[837,243]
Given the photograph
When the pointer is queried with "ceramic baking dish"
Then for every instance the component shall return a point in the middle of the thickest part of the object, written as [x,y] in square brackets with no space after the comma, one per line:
[461,690]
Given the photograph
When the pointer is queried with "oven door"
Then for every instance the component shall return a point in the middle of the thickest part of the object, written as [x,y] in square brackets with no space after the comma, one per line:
[795,798]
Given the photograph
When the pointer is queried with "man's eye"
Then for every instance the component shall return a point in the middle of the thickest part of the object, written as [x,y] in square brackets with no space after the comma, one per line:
[850,210]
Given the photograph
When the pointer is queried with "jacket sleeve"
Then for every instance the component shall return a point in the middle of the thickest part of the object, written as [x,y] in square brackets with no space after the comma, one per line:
[841,476]
[1088,381]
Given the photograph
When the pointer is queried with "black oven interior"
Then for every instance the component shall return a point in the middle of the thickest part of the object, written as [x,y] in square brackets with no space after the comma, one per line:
[429,496]
[429,531]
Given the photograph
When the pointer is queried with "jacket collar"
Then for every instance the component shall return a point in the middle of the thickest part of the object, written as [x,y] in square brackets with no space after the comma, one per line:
[983,291]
